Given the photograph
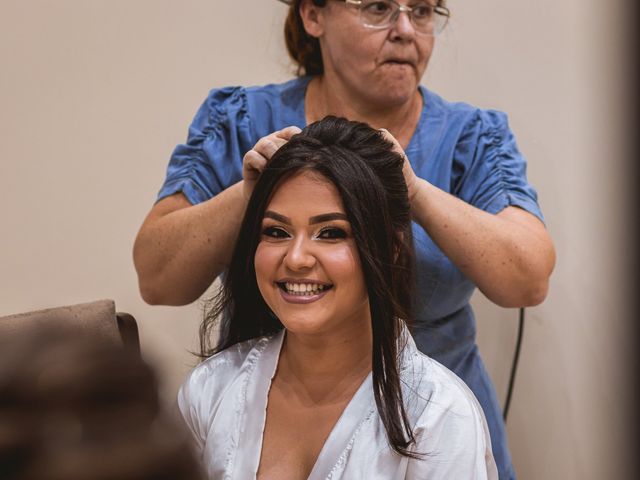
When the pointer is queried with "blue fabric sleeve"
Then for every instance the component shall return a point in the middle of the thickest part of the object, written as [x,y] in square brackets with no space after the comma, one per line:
[211,159]
[489,171]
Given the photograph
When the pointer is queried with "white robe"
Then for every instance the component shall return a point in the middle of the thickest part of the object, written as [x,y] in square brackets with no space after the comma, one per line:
[224,401]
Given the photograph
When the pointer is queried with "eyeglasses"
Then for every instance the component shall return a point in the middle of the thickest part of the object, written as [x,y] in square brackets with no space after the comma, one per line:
[426,18]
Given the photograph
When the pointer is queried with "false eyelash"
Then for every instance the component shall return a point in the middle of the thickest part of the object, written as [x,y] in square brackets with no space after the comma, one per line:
[338,233]
[275,232]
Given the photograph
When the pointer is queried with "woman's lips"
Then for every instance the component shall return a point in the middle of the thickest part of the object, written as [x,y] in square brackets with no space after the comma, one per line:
[302,299]
[400,61]
[398,65]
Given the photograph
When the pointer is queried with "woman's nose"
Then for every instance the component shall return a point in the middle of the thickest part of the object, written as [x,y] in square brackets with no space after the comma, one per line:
[299,255]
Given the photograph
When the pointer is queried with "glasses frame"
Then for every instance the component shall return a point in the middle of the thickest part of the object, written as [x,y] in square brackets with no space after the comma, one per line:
[437,9]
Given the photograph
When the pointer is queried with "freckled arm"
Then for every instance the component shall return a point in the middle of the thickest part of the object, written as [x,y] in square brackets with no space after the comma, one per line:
[510,255]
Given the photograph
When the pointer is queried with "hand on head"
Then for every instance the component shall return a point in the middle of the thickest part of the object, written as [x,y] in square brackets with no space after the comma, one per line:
[257,158]
[410,177]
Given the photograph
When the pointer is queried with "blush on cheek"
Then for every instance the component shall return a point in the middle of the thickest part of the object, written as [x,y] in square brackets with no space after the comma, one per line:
[265,267]
[266,260]
[343,263]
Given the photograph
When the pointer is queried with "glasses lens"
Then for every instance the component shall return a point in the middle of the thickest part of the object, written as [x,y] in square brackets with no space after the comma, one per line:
[377,13]
[439,21]
[425,17]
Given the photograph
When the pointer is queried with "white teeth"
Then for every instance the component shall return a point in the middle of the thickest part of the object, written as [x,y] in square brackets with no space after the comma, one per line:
[303,289]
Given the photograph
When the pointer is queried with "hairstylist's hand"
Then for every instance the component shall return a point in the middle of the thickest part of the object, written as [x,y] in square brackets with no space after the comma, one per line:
[257,158]
[410,178]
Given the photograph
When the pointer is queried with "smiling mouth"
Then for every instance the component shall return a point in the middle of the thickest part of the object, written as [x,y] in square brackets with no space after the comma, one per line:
[303,289]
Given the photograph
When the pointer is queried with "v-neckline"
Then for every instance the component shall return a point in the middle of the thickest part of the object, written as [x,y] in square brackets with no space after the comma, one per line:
[359,410]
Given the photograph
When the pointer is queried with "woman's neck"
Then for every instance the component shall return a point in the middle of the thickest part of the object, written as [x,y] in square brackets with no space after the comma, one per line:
[324,369]
[325,97]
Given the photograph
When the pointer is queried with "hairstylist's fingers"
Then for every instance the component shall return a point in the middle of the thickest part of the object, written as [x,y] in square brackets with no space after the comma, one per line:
[390,138]
[287,133]
[253,164]
[268,145]
[410,177]
[256,159]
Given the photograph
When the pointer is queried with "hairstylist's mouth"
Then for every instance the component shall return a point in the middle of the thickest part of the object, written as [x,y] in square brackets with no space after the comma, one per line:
[399,60]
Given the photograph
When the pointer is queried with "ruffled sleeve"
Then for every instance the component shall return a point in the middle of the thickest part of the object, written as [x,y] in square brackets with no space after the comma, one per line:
[489,171]
[211,159]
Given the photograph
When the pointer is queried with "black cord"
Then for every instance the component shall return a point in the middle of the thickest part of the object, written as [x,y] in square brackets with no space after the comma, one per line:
[514,365]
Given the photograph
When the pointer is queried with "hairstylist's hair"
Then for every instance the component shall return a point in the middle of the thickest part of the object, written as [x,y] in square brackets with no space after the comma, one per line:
[304,49]
[367,173]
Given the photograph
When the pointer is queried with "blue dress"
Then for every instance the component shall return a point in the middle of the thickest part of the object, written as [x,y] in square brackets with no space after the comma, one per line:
[468,152]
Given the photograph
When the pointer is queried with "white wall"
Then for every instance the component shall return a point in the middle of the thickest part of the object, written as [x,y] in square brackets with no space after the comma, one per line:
[94,94]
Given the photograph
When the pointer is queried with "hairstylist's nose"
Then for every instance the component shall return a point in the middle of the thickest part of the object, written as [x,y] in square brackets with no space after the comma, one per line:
[402,29]
[298,256]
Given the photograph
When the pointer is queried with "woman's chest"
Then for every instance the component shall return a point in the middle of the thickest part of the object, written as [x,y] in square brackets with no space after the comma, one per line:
[294,434]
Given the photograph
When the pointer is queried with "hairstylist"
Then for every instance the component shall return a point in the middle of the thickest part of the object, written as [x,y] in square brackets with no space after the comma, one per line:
[477,222]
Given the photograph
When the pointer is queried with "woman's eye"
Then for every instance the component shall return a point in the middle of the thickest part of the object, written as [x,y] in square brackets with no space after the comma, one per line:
[275,232]
[332,233]
[422,11]
[379,8]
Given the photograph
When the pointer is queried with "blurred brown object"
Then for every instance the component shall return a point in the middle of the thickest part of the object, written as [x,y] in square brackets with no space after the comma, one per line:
[99,318]
[76,405]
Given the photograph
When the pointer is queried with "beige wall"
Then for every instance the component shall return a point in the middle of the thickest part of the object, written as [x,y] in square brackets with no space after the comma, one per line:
[94,94]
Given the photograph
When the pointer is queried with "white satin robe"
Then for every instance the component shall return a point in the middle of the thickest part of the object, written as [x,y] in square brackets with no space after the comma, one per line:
[224,400]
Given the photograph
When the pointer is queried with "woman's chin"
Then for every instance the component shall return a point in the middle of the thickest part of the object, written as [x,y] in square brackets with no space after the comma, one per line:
[396,93]
[302,326]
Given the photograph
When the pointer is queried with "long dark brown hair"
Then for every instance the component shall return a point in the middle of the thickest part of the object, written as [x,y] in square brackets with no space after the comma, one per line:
[304,49]
[368,176]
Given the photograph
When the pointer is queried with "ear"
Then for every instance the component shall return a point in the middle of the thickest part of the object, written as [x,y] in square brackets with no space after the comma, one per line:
[312,18]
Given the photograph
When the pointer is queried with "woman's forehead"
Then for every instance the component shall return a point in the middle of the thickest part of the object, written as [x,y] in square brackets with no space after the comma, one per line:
[306,189]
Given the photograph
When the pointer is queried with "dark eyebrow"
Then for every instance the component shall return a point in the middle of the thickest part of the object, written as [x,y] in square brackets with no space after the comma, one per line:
[325,217]
[277,216]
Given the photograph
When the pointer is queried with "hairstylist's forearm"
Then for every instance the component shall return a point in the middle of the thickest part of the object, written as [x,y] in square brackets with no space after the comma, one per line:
[181,248]
[509,256]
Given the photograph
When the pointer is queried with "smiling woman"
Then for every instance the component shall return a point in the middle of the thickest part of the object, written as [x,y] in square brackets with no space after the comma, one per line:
[307,263]
[314,373]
